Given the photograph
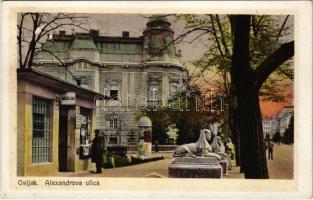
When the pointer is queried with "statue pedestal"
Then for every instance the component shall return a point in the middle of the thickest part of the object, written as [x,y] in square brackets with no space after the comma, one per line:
[199,167]
[223,163]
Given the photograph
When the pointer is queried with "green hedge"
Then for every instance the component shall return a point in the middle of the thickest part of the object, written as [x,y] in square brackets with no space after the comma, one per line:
[121,161]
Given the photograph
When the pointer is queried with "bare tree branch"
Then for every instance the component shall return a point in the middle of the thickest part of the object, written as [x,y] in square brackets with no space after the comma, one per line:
[61,62]
[19,39]
[40,26]
[215,36]
[222,35]
[282,27]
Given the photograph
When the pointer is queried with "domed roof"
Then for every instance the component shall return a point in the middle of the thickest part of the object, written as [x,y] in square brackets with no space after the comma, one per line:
[158,19]
[144,122]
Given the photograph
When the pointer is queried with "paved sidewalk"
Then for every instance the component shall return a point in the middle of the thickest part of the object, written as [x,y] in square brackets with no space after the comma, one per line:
[282,165]
[156,169]
[151,169]
[279,168]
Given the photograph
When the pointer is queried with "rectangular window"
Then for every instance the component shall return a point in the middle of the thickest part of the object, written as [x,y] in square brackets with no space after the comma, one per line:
[84,81]
[112,140]
[113,89]
[41,140]
[81,65]
[113,122]
[153,94]
[114,94]
[154,91]
[173,90]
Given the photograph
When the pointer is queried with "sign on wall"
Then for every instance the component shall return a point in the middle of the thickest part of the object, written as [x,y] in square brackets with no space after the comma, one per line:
[69,98]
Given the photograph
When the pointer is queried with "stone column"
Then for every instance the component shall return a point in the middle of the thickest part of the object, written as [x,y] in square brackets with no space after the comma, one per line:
[131,95]
[72,136]
[24,152]
[97,80]
[144,84]
[55,133]
[124,88]
[165,87]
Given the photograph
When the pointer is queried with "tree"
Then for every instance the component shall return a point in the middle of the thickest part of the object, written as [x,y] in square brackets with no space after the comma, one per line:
[217,32]
[160,123]
[247,82]
[193,115]
[276,137]
[33,27]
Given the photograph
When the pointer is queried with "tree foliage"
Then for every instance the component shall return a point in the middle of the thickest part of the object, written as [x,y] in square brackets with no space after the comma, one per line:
[160,123]
[197,112]
[276,137]
[216,31]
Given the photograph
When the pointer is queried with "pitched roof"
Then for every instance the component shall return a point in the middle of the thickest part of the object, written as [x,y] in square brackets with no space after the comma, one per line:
[51,81]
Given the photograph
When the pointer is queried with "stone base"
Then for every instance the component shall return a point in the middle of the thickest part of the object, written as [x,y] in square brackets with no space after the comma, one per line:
[223,163]
[200,167]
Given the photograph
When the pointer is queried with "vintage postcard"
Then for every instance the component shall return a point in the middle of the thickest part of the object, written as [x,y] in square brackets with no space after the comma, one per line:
[156,100]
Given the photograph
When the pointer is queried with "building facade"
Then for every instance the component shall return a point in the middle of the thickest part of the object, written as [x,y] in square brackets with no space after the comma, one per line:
[133,72]
[279,123]
[284,117]
[266,127]
[56,122]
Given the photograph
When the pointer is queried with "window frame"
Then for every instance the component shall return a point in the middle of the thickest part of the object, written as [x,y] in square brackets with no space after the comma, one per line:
[154,86]
[171,93]
[114,86]
[41,146]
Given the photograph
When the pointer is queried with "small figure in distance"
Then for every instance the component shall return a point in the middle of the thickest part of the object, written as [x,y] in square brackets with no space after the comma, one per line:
[270,147]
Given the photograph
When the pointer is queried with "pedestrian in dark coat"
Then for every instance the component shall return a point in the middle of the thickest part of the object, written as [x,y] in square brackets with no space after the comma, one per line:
[156,143]
[270,150]
[98,151]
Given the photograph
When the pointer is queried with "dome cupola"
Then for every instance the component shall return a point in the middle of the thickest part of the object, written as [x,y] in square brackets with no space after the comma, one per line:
[158,40]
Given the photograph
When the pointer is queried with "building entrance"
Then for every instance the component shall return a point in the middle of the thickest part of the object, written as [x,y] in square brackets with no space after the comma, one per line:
[63,139]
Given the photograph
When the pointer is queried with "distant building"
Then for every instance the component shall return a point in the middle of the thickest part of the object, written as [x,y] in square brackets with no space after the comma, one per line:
[132,71]
[279,123]
[284,117]
[267,127]
[274,126]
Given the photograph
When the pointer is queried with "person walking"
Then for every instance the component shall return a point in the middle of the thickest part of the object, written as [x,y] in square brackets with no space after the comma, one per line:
[270,150]
[156,146]
[97,152]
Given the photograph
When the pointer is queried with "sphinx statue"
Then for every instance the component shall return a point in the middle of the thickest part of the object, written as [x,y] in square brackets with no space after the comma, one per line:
[201,148]
[219,148]
[197,160]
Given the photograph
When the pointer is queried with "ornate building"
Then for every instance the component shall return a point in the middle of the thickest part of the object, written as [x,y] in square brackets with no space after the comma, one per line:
[132,71]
